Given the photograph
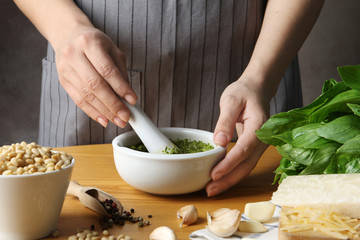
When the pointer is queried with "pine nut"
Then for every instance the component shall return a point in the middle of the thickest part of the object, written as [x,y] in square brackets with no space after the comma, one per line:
[55,156]
[12,154]
[20,170]
[7,172]
[38,160]
[14,161]
[59,164]
[20,151]
[42,169]
[29,161]
[35,152]
[41,152]
[51,164]
[49,160]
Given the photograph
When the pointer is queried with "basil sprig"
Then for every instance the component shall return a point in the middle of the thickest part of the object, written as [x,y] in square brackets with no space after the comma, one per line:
[322,137]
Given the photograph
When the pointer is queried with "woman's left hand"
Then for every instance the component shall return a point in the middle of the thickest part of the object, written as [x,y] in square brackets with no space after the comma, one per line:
[242,107]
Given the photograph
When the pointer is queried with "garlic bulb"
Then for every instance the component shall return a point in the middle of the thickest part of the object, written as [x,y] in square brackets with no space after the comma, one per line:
[189,215]
[162,233]
[224,222]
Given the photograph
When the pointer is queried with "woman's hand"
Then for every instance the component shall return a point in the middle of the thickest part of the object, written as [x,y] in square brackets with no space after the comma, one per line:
[93,72]
[244,107]
[91,68]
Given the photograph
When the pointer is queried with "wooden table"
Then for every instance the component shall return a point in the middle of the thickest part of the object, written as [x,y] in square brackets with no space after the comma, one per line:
[95,167]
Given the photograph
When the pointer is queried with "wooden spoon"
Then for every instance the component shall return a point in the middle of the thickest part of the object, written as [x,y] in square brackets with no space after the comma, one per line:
[90,196]
[153,139]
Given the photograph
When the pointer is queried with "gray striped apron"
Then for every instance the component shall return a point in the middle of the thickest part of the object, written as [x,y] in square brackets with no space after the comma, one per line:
[181,54]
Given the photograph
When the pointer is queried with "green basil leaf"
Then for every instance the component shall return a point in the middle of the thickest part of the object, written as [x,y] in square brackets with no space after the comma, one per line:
[321,159]
[341,129]
[328,85]
[337,104]
[282,177]
[350,75]
[324,98]
[300,155]
[353,166]
[304,137]
[355,108]
[287,168]
[280,123]
[309,138]
[347,153]
[332,168]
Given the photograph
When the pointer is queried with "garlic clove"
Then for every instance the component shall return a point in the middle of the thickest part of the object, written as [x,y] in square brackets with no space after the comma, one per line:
[219,212]
[252,226]
[224,222]
[189,215]
[260,211]
[162,233]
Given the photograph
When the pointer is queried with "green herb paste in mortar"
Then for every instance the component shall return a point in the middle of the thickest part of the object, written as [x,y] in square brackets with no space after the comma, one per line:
[184,146]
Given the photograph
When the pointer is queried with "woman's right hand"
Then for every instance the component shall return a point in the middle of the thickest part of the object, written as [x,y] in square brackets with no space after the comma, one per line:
[92,70]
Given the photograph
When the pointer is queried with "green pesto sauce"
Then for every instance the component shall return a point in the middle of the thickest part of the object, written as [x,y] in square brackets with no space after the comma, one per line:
[183,146]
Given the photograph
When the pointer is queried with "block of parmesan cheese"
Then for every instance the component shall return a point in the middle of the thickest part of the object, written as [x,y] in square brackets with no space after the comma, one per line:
[337,192]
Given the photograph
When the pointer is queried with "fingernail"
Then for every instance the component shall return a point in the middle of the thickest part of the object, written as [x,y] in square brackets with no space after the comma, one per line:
[119,122]
[220,139]
[130,98]
[217,176]
[211,192]
[102,121]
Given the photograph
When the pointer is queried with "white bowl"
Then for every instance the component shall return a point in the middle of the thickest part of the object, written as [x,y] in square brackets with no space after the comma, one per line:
[30,205]
[166,173]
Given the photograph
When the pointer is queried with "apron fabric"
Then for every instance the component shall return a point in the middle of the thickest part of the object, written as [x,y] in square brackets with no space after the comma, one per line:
[180,56]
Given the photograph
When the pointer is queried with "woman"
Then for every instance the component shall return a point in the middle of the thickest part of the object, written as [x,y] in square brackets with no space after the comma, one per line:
[178,60]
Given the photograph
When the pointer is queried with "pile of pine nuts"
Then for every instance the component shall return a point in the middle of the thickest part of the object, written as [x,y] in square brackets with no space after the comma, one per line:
[86,234]
[23,159]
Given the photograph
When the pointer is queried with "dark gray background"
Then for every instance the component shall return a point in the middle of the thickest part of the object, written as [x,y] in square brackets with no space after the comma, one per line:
[334,41]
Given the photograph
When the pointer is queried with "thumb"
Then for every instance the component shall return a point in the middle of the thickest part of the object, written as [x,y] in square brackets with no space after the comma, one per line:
[225,126]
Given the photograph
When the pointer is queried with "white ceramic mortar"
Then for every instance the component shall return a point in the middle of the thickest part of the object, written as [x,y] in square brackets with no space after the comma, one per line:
[166,173]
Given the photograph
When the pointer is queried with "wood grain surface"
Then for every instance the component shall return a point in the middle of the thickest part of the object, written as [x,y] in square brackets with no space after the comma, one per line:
[94,167]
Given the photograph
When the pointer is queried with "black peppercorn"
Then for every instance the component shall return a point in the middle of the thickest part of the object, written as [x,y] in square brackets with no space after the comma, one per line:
[121,222]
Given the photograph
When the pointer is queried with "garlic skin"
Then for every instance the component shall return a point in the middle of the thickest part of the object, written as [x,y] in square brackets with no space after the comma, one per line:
[223,222]
[189,214]
[162,233]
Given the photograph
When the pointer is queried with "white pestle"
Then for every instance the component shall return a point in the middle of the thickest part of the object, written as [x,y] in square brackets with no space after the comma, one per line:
[153,139]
